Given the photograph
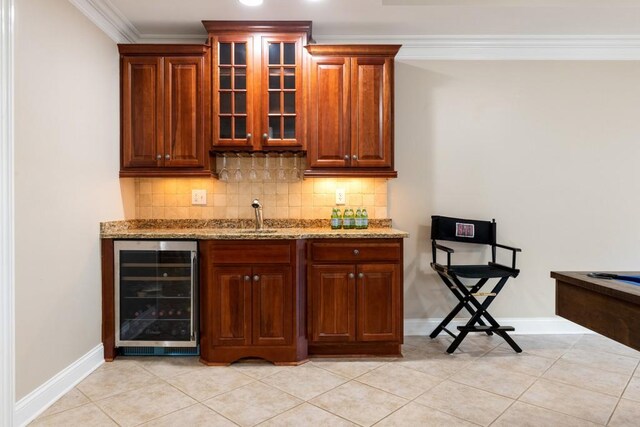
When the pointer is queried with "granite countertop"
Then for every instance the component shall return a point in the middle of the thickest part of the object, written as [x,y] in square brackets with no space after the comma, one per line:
[242,230]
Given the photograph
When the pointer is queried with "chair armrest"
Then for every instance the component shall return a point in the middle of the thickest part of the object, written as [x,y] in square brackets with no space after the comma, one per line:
[443,248]
[508,247]
[449,251]
[513,250]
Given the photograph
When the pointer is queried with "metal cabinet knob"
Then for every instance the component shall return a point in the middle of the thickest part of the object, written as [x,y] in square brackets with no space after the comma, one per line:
[159,157]
[346,157]
[167,157]
[249,136]
[360,275]
[247,278]
[265,136]
[356,252]
[354,157]
[256,278]
[351,275]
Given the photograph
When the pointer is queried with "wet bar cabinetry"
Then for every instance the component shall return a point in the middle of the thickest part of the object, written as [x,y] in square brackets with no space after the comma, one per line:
[355,296]
[258,99]
[257,86]
[275,298]
[351,110]
[253,303]
[162,110]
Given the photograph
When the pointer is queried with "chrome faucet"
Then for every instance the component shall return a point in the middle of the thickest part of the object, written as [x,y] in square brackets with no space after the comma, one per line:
[257,206]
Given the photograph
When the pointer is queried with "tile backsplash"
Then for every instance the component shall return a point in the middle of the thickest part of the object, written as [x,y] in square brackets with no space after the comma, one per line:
[170,198]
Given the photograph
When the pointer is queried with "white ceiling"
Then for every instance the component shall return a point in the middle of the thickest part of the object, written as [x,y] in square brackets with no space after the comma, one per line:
[181,18]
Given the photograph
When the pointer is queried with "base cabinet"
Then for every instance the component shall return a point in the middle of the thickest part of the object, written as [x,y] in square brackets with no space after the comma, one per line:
[355,297]
[252,301]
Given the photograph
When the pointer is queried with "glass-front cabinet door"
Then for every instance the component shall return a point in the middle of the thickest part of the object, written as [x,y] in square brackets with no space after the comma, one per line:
[233,91]
[257,99]
[281,91]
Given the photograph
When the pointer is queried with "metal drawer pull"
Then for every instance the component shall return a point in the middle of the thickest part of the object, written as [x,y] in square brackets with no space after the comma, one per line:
[247,278]
[360,275]
[351,275]
[356,252]
[159,157]
[256,278]
[167,157]
[354,157]
[346,157]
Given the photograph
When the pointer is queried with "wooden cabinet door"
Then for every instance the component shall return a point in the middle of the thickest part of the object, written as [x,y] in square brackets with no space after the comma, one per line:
[333,303]
[371,112]
[281,110]
[329,124]
[379,302]
[229,306]
[272,305]
[141,112]
[234,89]
[183,112]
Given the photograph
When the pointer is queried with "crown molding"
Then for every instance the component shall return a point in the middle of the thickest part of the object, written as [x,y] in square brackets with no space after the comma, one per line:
[433,47]
[109,19]
[482,47]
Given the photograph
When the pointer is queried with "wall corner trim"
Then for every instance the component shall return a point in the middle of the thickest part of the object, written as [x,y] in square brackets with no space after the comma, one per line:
[7,214]
[523,325]
[36,402]
[109,19]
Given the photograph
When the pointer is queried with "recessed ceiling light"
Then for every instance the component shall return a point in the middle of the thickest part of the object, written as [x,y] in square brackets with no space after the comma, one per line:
[251,2]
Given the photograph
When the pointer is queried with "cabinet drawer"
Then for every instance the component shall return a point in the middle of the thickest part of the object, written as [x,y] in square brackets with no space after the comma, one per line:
[356,251]
[249,252]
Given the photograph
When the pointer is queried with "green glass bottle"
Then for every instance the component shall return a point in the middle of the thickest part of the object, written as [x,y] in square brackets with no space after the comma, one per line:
[336,221]
[359,219]
[365,218]
[349,220]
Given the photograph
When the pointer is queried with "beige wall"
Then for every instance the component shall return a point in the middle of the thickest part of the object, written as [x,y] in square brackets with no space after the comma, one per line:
[306,199]
[66,165]
[548,149]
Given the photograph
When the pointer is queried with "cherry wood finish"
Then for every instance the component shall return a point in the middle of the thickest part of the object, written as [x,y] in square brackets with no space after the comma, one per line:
[355,297]
[250,301]
[108,301]
[351,110]
[257,117]
[142,101]
[231,302]
[604,306]
[330,127]
[332,303]
[163,110]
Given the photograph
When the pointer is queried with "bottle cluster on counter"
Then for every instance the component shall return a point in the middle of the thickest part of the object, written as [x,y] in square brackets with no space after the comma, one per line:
[349,220]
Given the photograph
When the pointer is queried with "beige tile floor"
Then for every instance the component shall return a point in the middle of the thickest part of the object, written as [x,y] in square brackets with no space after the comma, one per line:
[559,380]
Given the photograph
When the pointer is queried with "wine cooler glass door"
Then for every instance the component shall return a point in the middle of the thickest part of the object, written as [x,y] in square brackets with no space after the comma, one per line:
[155,298]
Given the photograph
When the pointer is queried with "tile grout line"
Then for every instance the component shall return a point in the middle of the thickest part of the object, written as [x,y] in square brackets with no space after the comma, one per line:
[622,394]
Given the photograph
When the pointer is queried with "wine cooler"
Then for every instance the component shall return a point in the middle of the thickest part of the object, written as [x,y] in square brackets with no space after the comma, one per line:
[156,297]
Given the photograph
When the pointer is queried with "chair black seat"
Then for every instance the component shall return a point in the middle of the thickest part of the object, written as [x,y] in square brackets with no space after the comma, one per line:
[479,271]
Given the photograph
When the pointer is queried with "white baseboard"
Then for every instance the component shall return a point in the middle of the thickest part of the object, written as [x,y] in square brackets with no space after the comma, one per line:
[36,402]
[523,325]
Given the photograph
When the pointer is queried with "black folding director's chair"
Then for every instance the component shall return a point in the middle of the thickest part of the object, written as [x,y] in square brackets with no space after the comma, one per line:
[478,232]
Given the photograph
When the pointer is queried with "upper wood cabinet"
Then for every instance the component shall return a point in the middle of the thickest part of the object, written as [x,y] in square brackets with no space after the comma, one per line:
[351,110]
[258,88]
[162,110]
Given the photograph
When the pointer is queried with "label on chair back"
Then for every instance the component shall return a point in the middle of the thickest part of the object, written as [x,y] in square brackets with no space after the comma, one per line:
[465,230]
